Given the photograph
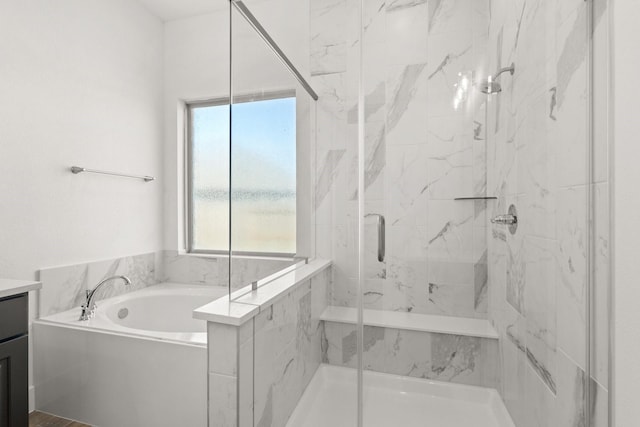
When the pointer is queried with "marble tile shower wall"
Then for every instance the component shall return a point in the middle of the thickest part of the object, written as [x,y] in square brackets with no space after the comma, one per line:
[422,151]
[442,357]
[537,159]
[64,287]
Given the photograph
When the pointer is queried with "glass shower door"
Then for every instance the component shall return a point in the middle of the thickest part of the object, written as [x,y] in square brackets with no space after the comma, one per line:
[475,198]
[539,160]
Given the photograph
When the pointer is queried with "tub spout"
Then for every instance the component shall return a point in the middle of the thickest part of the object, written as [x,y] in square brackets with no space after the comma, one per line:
[89,307]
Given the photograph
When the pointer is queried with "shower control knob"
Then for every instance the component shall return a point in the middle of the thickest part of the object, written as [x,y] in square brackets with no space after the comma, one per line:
[510,219]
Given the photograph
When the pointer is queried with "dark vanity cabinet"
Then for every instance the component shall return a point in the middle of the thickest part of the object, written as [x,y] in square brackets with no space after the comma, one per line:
[14,347]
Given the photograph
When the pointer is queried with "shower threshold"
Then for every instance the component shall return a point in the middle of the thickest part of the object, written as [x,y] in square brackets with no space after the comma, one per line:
[331,397]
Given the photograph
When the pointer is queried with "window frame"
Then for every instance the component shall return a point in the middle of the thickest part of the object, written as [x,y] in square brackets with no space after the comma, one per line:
[188,175]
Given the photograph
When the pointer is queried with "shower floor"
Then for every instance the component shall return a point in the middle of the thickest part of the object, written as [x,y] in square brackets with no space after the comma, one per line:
[330,400]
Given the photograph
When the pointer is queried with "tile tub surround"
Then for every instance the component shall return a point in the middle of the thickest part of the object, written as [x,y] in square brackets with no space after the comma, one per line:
[64,287]
[282,329]
[198,269]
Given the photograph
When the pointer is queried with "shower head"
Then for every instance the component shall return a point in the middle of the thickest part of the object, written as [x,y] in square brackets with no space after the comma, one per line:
[491,86]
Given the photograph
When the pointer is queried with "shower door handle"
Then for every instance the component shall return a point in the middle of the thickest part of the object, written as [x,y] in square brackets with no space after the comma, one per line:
[381,235]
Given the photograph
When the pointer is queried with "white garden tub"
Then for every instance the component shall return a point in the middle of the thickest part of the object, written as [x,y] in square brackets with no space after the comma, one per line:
[142,361]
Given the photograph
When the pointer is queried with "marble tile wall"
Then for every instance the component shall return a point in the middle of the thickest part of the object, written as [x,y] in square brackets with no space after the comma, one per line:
[64,287]
[424,148]
[208,270]
[230,365]
[288,344]
[259,370]
[442,357]
[601,275]
[537,156]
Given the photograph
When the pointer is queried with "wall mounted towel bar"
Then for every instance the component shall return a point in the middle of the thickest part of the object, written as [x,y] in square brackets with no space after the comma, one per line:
[78,169]
[476,198]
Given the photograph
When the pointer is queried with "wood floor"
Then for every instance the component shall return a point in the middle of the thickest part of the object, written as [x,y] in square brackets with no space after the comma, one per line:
[41,419]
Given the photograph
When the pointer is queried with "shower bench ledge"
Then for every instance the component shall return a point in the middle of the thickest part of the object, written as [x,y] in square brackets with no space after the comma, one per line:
[481,328]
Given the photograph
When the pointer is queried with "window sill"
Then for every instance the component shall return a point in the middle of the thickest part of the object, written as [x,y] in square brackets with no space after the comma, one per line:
[265,257]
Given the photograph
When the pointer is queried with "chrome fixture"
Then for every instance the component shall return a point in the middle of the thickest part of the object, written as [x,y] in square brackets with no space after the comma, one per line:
[89,307]
[381,236]
[77,169]
[491,86]
[510,219]
[476,198]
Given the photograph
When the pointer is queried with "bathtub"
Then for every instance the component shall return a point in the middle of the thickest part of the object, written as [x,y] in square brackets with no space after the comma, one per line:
[141,361]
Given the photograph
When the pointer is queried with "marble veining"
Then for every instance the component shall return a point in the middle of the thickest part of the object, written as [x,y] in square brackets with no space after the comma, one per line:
[376,157]
[419,154]
[553,103]
[478,133]
[515,275]
[403,93]
[290,343]
[435,8]
[64,287]
[574,49]
[327,175]
[443,257]
[481,279]
[374,102]
[395,5]
[467,360]
[447,60]
[449,232]
[453,356]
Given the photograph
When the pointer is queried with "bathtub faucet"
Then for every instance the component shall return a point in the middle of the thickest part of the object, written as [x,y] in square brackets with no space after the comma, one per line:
[89,307]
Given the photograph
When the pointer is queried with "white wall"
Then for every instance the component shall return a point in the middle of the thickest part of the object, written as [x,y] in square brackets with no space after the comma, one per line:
[196,63]
[626,244]
[81,84]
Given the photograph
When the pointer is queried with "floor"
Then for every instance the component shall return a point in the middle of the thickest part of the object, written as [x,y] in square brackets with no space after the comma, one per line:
[391,400]
[42,419]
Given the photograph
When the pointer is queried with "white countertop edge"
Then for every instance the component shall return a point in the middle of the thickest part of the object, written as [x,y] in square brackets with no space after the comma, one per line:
[271,292]
[10,287]
[224,311]
[480,328]
[240,310]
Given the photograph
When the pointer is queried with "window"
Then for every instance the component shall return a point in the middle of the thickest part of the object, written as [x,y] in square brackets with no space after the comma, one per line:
[263,204]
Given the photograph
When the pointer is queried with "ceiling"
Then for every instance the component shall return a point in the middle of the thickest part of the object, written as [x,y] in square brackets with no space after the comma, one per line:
[169,10]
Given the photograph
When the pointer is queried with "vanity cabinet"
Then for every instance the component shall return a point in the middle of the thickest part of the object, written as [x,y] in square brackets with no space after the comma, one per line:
[14,347]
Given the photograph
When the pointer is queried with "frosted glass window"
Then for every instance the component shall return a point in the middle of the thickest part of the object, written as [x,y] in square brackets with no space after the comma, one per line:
[263,177]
